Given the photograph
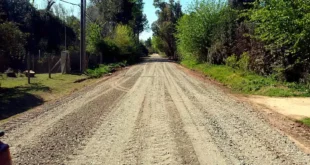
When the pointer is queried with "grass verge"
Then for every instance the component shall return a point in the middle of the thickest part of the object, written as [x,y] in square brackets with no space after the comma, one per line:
[305,121]
[247,82]
[16,96]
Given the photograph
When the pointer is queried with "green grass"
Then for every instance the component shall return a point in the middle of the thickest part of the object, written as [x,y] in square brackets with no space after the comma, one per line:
[306,121]
[247,82]
[58,84]
[17,96]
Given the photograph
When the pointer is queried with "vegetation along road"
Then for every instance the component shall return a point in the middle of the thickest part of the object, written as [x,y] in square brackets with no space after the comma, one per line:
[151,113]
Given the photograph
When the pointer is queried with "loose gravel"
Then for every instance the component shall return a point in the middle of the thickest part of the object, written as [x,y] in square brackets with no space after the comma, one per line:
[152,113]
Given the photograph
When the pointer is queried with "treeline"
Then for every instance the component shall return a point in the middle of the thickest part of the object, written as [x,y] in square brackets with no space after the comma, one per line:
[112,33]
[268,37]
[25,30]
[113,30]
[164,29]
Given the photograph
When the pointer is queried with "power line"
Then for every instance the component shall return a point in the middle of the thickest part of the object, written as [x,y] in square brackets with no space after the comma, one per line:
[83,26]
[70,3]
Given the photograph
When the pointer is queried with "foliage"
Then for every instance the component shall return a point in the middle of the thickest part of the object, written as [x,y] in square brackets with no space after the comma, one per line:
[283,26]
[139,21]
[305,121]
[98,72]
[248,82]
[41,30]
[243,62]
[113,12]
[114,30]
[149,46]
[206,31]
[268,37]
[122,45]
[165,26]
[93,37]
[124,39]
[12,40]
[148,42]
[157,44]
[232,61]
[104,69]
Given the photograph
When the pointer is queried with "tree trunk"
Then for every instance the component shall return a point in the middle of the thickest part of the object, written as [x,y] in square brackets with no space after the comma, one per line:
[28,67]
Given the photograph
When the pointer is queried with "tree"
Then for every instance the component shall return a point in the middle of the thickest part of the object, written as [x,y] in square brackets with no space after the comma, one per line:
[12,42]
[206,33]
[93,37]
[165,26]
[148,42]
[49,5]
[285,32]
[41,30]
[139,22]
[110,13]
[241,4]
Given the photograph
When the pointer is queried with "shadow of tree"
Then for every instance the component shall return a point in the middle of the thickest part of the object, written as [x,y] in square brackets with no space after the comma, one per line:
[17,100]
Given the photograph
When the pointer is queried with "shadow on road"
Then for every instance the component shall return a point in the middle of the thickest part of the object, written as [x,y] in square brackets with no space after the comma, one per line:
[151,59]
[19,99]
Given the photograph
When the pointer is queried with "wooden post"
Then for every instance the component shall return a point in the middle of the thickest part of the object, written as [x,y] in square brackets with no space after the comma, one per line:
[33,62]
[28,67]
[49,65]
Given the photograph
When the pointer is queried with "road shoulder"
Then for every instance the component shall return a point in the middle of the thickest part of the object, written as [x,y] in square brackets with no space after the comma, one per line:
[285,122]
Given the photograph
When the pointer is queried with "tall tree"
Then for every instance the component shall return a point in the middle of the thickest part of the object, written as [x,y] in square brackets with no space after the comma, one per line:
[165,27]
[113,12]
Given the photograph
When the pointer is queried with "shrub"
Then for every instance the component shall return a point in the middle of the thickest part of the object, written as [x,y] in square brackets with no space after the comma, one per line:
[127,44]
[243,62]
[104,69]
[232,61]
[98,72]
[206,31]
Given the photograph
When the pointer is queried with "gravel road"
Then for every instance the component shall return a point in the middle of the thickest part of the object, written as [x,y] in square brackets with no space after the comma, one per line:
[151,113]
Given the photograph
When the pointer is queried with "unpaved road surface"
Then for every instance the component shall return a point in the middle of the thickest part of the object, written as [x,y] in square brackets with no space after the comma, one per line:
[296,108]
[151,113]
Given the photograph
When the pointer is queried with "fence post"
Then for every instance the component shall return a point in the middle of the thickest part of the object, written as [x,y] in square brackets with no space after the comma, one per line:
[49,65]
[33,61]
[28,67]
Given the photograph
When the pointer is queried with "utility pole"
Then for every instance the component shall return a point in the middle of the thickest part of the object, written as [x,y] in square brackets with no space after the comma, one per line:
[28,67]
[82,40]
[82,34]
[65,23]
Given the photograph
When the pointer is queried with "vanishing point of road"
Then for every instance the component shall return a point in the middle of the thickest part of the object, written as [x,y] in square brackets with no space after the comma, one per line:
[150,113]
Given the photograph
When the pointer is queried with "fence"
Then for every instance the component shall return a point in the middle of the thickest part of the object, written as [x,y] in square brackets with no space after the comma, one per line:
[39,63]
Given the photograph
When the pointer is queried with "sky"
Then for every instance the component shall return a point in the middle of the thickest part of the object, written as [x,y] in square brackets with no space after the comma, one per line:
[149,10]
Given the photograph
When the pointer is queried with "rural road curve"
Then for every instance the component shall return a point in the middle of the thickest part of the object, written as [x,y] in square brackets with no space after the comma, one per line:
[151,113]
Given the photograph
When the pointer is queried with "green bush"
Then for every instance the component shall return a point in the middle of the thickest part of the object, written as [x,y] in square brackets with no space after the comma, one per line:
[103,69]
[206,31]
[98,72]
[127,44]
[232,61]
[243,62]
[122,45]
